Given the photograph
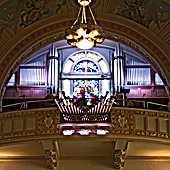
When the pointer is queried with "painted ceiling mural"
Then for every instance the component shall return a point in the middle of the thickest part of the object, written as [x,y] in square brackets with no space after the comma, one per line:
[15,15]
[26,12]
[142,11]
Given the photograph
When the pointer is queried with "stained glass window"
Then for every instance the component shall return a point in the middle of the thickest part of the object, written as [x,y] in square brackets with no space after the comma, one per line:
[78,56]
[93,55]
[68,65]
[86,89]
[103,66]
[86,66]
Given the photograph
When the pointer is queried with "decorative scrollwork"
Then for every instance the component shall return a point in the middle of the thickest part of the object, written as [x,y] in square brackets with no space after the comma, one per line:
[18,114]
[163,115]
[49,122]
[163,135]
[153,134]
[51,159]
[140,133]
[119,159]
[121,121]
[139,112]
[151,113]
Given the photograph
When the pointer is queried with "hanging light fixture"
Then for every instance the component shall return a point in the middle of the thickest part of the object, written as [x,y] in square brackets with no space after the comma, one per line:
[81,35]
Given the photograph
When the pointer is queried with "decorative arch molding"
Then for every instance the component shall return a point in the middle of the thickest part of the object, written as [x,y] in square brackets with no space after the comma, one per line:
[101,57]
[46,31]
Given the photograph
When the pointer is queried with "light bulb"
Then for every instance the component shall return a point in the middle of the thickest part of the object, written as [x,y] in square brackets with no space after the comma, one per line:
[94,33]
[69,36]
[81,32]
[99,40]
[85,44]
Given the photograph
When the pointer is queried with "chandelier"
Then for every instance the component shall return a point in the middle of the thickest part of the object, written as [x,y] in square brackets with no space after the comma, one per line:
[82,35]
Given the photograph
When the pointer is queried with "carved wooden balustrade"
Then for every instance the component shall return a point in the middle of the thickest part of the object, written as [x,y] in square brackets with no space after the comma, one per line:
[29,123]
[125,123]
[140,122]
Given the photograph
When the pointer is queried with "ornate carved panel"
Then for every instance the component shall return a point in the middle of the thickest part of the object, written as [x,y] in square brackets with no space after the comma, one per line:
[122,121]
[49,122]
[31,122]
[140,122]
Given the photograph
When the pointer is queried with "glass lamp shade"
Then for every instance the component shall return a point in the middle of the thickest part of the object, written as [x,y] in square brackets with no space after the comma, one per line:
[82,35]
[84,2]
[85,44]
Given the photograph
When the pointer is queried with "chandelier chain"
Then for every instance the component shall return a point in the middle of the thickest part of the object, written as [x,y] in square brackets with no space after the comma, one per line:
[77,17]
[92,15]
[84,12]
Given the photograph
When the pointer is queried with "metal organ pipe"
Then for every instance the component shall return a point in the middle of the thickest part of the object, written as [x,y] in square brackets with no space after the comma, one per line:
[68,105]
[98,107]
[101,106]
[62,106]
[111,105]
[107,107]
[58,106]
[72,108]
[66,108]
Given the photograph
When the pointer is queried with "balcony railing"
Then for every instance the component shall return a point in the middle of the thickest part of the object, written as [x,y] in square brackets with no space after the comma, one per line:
[46,123]
[71,106]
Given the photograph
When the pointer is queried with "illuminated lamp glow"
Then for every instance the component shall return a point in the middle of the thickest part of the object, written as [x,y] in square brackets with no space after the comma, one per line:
[70,36]
[84,2]
[101,132]
[94,33]
[99,40]
[84,132]
[85,44]
[67,132]
[82,35]
[81,32]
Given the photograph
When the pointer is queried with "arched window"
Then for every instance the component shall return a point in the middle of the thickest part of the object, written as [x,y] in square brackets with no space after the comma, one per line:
[85,66]
[86,74]
[90,57]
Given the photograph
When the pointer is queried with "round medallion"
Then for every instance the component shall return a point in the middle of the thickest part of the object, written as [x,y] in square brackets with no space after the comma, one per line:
[75,4]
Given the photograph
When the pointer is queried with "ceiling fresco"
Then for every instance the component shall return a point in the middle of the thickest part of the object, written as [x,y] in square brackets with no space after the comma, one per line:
[142,11]
[15,15]
[26,12]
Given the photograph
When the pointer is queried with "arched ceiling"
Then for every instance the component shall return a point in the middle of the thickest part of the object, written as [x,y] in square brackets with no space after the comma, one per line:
[148,34]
